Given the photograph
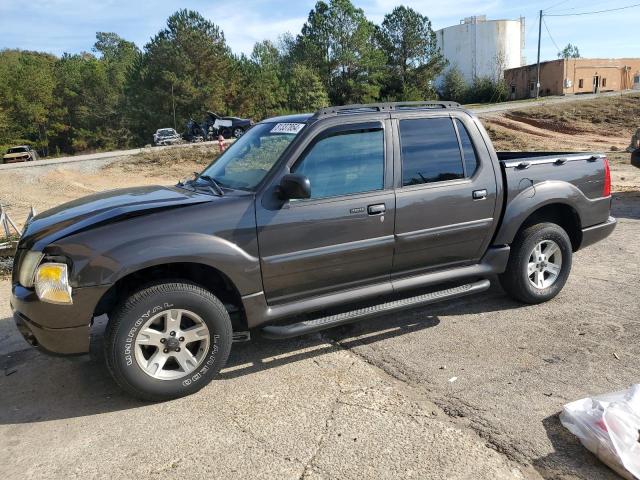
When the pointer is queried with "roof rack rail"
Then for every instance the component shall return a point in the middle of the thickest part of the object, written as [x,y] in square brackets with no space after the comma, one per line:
[382,107]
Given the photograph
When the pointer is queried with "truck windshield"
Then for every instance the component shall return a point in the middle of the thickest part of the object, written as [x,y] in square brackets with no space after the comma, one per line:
[17,150]
[249,159]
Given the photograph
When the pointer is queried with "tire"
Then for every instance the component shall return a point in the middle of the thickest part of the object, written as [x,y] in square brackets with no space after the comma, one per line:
[238,132]
[550,274]
[143,324]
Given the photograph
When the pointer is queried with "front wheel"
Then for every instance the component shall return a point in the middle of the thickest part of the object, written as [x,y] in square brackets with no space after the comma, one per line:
[539,264]
[167,340]
[238,132]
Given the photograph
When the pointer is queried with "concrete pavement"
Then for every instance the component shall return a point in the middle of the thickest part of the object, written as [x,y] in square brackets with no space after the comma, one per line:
[372,400]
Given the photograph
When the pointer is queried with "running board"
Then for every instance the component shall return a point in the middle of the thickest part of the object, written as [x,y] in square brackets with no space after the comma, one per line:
[310,326]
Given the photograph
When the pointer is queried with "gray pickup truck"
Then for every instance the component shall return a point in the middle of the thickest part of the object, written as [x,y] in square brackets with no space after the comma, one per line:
[305,223]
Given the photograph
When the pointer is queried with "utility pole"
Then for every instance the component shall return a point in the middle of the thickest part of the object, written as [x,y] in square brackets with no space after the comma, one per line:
[173,102]
[539,38]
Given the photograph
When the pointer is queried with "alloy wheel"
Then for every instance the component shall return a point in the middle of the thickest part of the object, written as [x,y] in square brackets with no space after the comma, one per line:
[545,264]
[172,344]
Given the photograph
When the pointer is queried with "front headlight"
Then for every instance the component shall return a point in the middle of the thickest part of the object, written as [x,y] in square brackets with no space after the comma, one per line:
[28,267]
[52,283]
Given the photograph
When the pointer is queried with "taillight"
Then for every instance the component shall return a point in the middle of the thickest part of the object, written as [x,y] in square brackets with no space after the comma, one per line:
[606,191]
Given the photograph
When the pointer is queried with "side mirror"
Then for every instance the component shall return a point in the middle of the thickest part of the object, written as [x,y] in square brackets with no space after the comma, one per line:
[294,186]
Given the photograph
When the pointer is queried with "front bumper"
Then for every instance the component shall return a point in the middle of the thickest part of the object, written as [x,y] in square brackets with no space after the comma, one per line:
[15,160]
[57,329]
[164,143]
[598,232]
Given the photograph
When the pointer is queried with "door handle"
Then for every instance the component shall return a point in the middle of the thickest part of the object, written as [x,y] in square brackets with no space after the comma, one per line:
[479,194]
[378,209]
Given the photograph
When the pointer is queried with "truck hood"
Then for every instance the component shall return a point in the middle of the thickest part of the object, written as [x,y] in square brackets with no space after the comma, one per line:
[103,208]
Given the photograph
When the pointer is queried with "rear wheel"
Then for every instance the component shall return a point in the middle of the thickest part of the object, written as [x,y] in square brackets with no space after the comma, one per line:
[539,264]
[167,341]
[238,132]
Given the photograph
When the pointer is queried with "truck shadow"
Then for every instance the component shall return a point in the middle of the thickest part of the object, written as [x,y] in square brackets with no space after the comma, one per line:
[626,205]
[36,388]
[262,354]
[569,458]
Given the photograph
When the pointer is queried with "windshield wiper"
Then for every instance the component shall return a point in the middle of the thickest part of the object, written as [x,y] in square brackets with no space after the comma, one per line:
[186,184]
[215,186]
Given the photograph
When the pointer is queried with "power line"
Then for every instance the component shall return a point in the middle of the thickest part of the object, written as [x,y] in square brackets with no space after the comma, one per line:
[549,33]
[556,5]
[592,13]
[597,4]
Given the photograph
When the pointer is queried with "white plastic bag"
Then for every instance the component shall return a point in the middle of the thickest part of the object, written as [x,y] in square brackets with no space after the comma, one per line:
[609,426]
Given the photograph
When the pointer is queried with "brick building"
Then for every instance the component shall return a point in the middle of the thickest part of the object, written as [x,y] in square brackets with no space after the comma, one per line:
[574,75]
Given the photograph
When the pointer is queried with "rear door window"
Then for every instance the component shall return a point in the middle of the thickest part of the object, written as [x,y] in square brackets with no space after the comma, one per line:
[468,151]
[430,151]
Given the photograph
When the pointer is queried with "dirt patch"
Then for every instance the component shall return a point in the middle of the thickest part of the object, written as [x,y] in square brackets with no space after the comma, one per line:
[174,158]
[610,115]
[545,124]
[603,125]
[53,185]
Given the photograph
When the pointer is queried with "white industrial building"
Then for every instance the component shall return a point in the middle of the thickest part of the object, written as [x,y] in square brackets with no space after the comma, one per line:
[483,48]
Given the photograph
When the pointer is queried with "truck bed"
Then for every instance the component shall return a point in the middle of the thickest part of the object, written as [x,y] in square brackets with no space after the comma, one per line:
[534,176]
[506,156]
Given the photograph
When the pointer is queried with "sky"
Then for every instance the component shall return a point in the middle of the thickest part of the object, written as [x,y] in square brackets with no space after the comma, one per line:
[59,26]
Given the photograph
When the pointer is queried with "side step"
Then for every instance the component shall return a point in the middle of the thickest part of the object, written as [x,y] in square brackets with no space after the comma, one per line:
[310,326]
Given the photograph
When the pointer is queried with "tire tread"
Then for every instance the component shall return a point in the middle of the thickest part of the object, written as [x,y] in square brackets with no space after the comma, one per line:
[512,280]
[121,311]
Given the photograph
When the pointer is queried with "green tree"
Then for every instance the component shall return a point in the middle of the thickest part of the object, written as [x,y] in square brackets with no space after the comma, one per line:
[118,56]
[487,90]
[414,59]
[454,87]
[570,51]
[306,91]
[263,92]
[88,104]
[339,43]
[28,107]
[188,64]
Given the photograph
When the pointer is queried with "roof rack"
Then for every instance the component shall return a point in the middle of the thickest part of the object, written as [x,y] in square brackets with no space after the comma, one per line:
[382,107]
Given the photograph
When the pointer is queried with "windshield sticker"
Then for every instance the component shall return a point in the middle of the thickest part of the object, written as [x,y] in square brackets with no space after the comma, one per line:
[287,128]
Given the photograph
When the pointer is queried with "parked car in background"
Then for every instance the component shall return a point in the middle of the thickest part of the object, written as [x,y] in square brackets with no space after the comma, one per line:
[226,126]
[166,136]
[22,153]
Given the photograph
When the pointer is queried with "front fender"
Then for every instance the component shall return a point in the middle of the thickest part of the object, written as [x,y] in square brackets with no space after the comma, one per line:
[530,199]
[106,268]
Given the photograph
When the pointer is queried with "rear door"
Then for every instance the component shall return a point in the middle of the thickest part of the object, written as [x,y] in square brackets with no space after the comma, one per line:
[341,237]
[446,193]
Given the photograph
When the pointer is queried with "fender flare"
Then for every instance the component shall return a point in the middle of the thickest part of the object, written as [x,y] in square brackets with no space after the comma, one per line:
[120,261]
[535,197]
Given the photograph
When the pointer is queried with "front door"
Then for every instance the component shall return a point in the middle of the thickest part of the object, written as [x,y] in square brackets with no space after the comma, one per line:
[341,237]
[446,197]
